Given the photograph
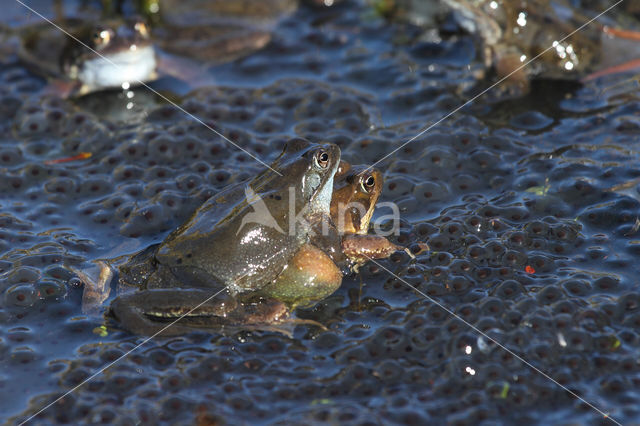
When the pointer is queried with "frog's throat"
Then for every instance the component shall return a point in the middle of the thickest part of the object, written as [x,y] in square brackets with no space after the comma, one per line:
[321,201]
[127,66]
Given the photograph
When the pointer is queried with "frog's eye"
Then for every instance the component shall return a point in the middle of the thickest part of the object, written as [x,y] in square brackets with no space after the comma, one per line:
[101,37]
[321,159]
[368,183]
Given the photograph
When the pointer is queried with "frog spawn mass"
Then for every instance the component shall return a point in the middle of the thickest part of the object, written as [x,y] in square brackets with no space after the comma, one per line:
[567,211]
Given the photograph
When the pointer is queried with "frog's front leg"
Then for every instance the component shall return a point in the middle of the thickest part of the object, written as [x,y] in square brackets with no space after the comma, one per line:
[360,248]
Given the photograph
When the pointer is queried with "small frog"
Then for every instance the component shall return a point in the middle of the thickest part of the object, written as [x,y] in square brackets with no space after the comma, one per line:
[355,193]
[77,64]
[242,239]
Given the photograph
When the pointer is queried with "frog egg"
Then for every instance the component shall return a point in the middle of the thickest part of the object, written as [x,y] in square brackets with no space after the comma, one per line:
[439,242]
[531,120]
[508,289]
[174,407]
[23,274]
[21,295]
[266,124]
[102,217]
[460,285]
[60,185]
[431,192]
[128,173]
[492,306]
[514,259]
[396,187]
[578,288]
[12,184]
[606,284]
[550,294]
[352,125]
[438,159]
[94,187]
[11,156]
[163,147]
[465,183]
[33,125]
[629,303]
[160,359]
[156,187]
[172,383]
[188,182]
[133,150]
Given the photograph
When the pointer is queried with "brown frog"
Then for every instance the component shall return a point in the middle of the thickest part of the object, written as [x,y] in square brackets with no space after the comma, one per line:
[355,194]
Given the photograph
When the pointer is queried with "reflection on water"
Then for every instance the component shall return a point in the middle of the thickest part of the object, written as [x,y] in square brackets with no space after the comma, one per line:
[521,211]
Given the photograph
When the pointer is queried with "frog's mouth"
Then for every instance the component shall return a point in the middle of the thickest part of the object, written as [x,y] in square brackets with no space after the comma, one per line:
[134,65]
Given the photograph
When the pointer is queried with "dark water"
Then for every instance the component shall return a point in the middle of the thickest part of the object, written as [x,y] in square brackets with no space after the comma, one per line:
[532,234]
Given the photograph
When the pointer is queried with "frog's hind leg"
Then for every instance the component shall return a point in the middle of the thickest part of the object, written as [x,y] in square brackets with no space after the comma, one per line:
[167,312]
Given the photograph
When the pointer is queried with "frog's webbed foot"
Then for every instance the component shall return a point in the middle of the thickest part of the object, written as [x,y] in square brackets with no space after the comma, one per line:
[360,248]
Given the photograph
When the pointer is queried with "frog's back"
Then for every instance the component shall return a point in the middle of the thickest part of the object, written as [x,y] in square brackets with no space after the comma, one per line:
[231,240]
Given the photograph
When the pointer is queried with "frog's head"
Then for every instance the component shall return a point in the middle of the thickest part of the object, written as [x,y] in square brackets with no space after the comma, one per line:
[119,53]
[309,169]
[356,192]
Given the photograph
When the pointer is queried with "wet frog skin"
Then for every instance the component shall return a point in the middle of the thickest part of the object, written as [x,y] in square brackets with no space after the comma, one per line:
[126,44]
[220,248]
